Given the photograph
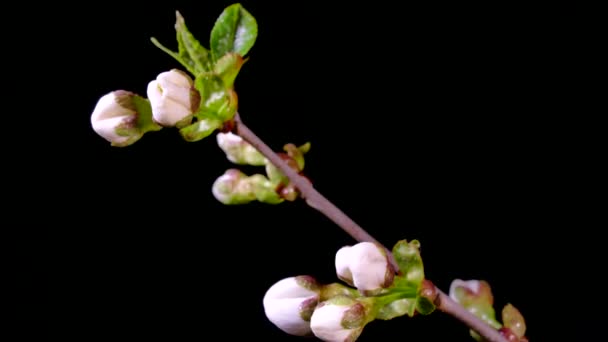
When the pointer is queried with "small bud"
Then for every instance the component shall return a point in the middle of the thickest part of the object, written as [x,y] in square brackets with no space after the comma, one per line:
[365,266]
[116,119]
[339,319]
[475,296]
[289,304]
[234,187]
[239,151]
[173,98]
[514,320]
[230,188]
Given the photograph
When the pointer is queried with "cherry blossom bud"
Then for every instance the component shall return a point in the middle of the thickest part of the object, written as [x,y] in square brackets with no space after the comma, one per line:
[118,118]
[365,266]
[239,151]
[339,319]
[289,304]
[475,296]
[173,98]
[234,187]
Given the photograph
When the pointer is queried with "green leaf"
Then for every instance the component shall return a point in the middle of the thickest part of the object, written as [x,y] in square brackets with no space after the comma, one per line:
[235,30]
[228,67]
[407,255]
[176,56]
[200,129]
[189,47]
[216,100]
[191,54]
[397,308]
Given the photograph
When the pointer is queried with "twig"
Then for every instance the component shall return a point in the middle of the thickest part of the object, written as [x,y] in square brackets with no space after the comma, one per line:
[317,201]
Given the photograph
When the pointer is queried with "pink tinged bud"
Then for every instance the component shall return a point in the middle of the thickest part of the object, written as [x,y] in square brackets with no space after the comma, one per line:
[289,304]
[339,319]
[239,151]
[476,296]
[115,118]
[173,98]
[471,292]
[365,266]
[230,188]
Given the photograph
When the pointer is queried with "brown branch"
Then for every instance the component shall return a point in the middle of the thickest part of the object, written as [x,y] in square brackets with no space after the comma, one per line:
[317,201]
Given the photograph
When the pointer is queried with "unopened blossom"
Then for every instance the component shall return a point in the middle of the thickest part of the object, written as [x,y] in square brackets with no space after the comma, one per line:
[290,302]
[365,266]
[238,150]
[339,319]
[173,98]
[115,118]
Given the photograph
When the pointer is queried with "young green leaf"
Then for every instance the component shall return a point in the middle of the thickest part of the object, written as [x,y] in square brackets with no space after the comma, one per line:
[200,129]
[186,62]
[216,100]
[407,255]
[228,67]
[191,54]
[235,30]
[189,47]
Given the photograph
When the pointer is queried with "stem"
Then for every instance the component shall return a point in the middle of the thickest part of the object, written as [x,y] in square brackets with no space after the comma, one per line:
[317,201]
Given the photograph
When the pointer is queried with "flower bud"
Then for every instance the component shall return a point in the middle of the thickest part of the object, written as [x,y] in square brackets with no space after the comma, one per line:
[173,98]
[365,266]
[475,296]
[239,151]
[234,187]
[115,118]
[514,320]
[230,188]
[339,319]
[289,304]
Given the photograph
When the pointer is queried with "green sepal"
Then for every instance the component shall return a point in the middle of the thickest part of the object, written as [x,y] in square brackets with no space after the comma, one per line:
[142,124]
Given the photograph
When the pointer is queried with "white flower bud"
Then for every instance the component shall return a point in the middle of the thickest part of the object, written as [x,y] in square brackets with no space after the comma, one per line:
[115,118]
[365,266]
[289,304]
[173,98]
[239,151]
[339,319]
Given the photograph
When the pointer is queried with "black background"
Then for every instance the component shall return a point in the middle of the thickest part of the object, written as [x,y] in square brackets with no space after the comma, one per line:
[429,122]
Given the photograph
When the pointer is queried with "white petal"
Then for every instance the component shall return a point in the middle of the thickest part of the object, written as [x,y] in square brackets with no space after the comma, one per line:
[288,288]
[176,78]
[343,263]
[169,112]
[326,323]
[154,93]
[285,314]
[108,107]
[369,266]
[107,129]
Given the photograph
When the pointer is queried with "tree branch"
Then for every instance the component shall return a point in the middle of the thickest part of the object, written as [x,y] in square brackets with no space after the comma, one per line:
[317,201]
